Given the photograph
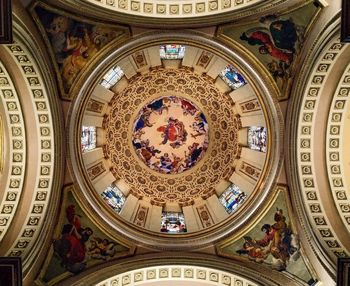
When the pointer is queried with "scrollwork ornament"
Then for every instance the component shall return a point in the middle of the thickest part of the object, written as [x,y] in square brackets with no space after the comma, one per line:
[320,220]
[345,208]
[3,221]
[326,232]
[341,195]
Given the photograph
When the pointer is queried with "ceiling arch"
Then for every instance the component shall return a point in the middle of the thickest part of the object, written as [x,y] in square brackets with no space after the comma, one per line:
[34,179]
[317,197]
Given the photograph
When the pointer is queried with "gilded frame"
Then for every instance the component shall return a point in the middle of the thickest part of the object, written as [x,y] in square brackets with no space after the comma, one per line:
[343,270]
[5,22]
[11,271]
[345,22]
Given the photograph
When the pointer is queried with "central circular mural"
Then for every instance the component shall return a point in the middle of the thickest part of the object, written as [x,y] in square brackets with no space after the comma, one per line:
[170,134]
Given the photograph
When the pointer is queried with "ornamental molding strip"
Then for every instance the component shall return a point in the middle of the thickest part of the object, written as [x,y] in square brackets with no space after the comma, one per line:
[16,150]
[164,9]
[198,13]
[180,267]
[181,273]
[41,194]
[306,138]
[336,149]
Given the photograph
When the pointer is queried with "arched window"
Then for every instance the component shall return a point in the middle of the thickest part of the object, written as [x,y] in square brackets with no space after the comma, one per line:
[112,77]
[231,76]
[232,198]
[114,197]
[172,52]
[88,138]
[257,138]
[173,222]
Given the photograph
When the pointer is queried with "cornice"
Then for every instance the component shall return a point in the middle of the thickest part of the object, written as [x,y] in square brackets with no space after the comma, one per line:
[302,199]
[258,274]
[44,205]
[119,13]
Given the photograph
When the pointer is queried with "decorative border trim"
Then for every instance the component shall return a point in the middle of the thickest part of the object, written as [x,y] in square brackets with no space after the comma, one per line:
[41,106]
[252,274]
[164,9]
[181,273]
[335,146]
[17,150]
[306,137]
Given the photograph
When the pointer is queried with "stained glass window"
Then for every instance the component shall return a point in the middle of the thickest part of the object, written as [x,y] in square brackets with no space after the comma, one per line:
[172,52]
[231,76]
[114,198]
[173,222]
[257,138]
[88,138]
[112,77]
[232,198]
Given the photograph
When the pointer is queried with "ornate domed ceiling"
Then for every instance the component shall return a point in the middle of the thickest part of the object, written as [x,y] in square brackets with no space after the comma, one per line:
[156,143]
[174,139]
[175,155]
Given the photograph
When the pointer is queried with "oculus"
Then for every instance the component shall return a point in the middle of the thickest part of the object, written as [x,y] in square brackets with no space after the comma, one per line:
[170,134]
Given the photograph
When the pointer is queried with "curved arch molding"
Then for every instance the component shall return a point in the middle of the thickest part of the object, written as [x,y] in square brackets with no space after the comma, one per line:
[36,151]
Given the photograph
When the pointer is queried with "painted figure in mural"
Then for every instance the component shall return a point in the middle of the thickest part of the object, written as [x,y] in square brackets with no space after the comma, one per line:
[266,46]
[159,105]
[200,126]
[175,165]
[174,131]
[278,240]
[74,43]
[146,151]
[56,30]
[165,163]
[188,108]
[101,248]
[281,39]
[283,32]
[278,69]
[71,246]
[144,119]
[194,154]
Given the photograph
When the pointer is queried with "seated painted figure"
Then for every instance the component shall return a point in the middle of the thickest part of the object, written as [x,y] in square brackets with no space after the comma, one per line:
[71,246]
[174,131]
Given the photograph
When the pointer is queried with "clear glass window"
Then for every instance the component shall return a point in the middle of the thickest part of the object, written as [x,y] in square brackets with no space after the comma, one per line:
[172,52]
[257,138]
[173,222]
[232,198]
[231,76]
[88,138]
[112,77]
[114,198]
